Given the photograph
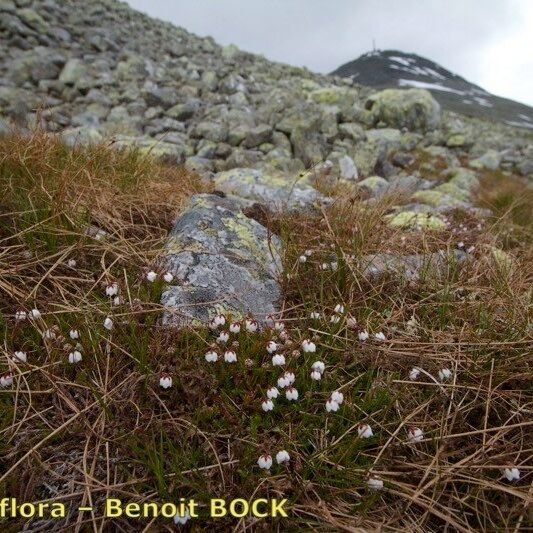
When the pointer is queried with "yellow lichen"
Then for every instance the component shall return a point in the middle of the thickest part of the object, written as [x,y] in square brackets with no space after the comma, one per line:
[411,219]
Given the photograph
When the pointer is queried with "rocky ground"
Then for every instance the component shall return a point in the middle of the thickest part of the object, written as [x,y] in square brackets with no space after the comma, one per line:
[103,71]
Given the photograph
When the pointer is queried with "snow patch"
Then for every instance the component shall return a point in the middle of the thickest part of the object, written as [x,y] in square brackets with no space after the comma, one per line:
[402,60]
[482,101]
[435,74]
[430,86]
[528,125]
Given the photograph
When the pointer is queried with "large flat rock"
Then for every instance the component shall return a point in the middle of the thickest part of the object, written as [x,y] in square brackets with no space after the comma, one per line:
[222,261]
[277,191]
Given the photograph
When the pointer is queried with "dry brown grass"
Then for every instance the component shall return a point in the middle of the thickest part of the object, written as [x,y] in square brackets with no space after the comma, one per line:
[104,428]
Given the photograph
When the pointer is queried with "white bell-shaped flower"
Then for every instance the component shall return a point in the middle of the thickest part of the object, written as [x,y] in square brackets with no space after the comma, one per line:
[74,357]
[165,380]
[364,431]
[265,461]
[282,457]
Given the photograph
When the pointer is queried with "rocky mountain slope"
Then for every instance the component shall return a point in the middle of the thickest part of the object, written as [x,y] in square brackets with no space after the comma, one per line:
[100,69]
[392,68]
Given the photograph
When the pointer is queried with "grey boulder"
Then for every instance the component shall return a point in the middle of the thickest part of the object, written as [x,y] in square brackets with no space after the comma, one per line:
[222,261]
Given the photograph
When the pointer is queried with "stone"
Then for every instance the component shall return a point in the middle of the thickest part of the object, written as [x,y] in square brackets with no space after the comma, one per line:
[348,170]
[206,149]
[402,159]
[489,160]
[437,199]
[414,109]
[304,117]
[525,167]
[210,80]
[199,165]
[463,178]
[328,124]
[375,186]
[164,97]
[406,185]
[414,220]
[453,190]
[240,157]
[169,153]
[221,261]
[183,111]
[230,52]
[366,156]
[277,191]
[135,67]
[456,140]
[73,71]
[32,19]
[341,96]
[352,131]
[257,135]
[308,146]
[410,267]
[212,131]
[237,134]
[384,136]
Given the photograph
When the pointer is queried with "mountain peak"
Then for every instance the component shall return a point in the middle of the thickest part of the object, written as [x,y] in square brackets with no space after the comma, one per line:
[394,68]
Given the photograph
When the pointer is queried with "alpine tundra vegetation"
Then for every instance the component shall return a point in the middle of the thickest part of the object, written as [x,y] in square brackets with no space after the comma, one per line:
[227,278]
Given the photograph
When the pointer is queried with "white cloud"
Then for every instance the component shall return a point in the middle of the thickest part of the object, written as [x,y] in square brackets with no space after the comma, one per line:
[486,41]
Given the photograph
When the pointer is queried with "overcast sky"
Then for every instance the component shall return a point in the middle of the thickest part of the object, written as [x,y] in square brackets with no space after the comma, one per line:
[488,42]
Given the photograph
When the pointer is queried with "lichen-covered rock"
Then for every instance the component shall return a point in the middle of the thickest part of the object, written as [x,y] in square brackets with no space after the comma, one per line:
[221,261]
[341,96]
[437,199]
[385,136]
[170,153]
[489,160]
[366,156]
[257,135]
[276,190]
[73,71]
[347,169]
[415,220]
[457,140]
[352,131]
[375,186]
[414,109]
[407,184]
[454,191]
[463,178]
[308,146]
[410,267]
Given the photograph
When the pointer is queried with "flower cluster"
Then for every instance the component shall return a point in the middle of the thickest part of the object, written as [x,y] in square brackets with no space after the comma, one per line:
[265,461]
